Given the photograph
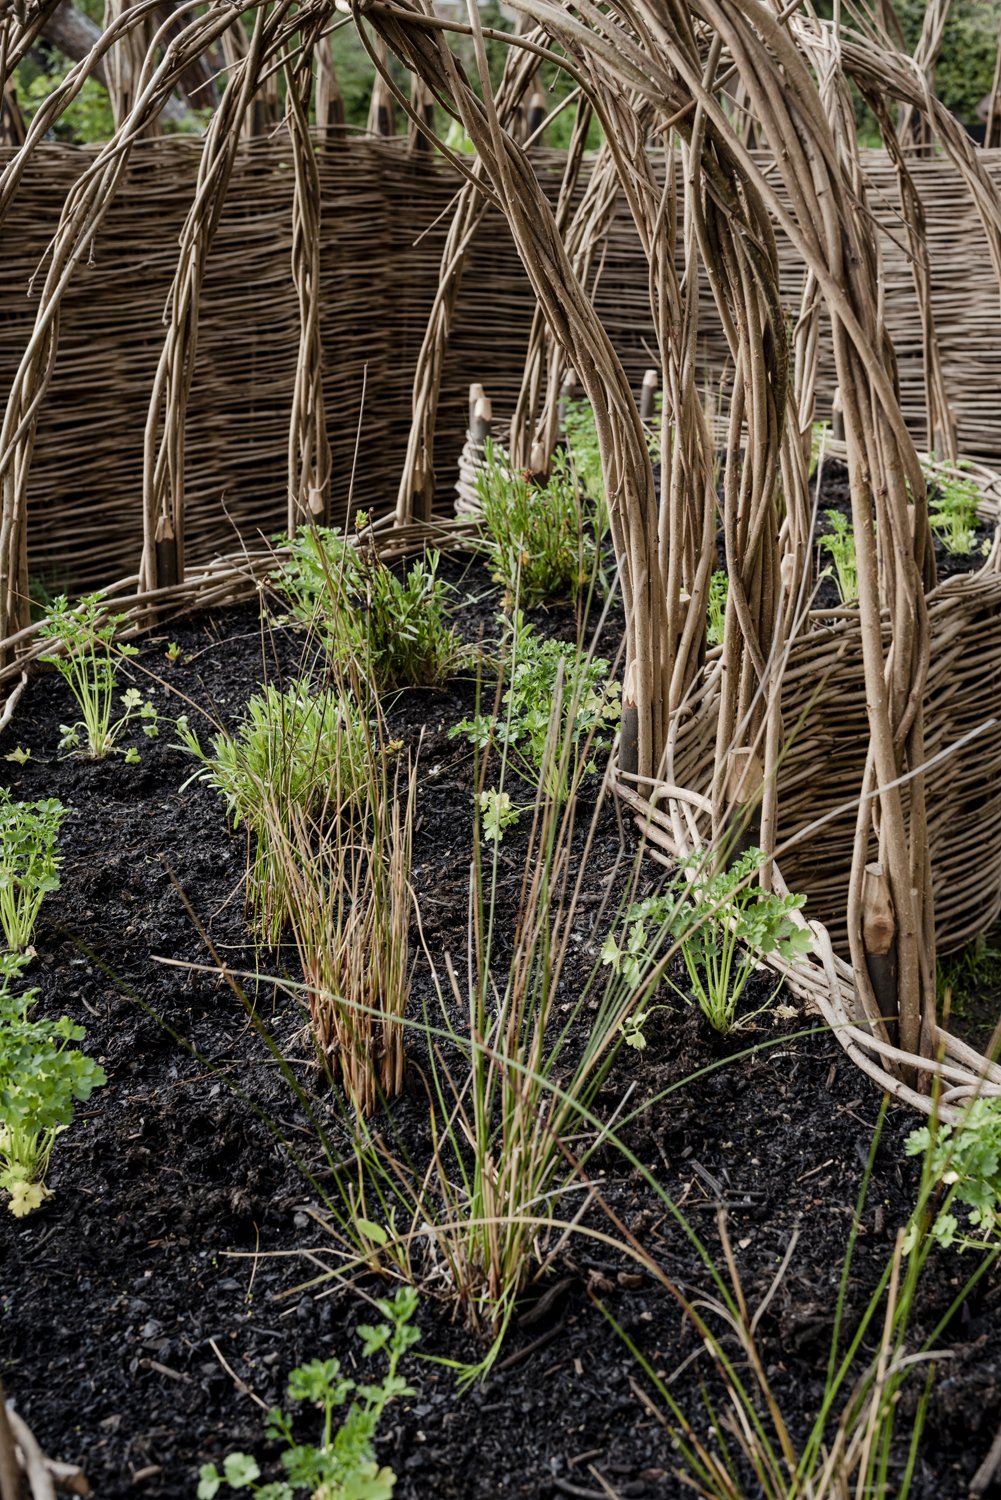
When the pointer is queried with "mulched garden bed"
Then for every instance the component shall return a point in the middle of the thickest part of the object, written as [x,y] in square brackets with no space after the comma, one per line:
[126,1297]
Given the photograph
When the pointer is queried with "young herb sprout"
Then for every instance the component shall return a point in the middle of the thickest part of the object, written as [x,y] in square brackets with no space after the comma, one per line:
[543,673]
[342,1465]
[718,587]
[88,663]
[29,864]
[396,630]
[839,543]
[538,539]
[819,433]
[499,813]
[41,1080]
[967,1159]
[722,924]
[952,511]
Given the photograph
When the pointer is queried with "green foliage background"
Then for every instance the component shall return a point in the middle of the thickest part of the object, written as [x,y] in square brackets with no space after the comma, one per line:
[963,76]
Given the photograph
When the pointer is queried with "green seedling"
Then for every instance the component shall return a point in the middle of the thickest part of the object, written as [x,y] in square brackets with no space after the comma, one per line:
[88,663]
[966,1159]
[952,511]
[395,631]
[343,1465]
[716,610]
[839,543]
[540,541]
[29,864]
[542,674]
[498,812]
[41,1080]
[722,925]
[819,433]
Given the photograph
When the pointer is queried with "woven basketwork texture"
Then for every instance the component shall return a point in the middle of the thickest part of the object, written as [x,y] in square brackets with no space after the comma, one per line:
[384,217]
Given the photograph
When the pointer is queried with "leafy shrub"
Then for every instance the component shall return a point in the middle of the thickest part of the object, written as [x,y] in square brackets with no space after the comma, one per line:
[964,70]
[41,1079]
[87,118]
[396,631]
[88,665]
[967,1159]
[538,539]
[722,924]
[29,863]
[343,1465]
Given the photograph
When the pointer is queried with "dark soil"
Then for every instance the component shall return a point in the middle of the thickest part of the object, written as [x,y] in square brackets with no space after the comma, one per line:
[133,1325]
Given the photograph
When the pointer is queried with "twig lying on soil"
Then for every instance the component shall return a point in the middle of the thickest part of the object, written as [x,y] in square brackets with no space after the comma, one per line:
[983,1478]
[241,1385]
[20,1453]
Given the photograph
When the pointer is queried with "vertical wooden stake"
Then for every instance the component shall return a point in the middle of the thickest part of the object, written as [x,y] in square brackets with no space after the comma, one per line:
[166,554]
[536,115]
[567,391]
[482,420]
[476,393]
[651,380]
[944,441]
[629,732]
[11,1477]
[879,931]
[837,416]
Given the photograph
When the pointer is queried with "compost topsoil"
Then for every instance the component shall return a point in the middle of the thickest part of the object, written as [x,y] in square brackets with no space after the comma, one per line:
[153,1296]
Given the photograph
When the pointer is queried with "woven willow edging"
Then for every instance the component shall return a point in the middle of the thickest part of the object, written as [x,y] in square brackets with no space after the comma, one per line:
[823,707]
[823,981]
[230,579]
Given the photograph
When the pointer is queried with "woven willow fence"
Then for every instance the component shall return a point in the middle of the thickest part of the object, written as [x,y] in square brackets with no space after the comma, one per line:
[313,291]
[381,237]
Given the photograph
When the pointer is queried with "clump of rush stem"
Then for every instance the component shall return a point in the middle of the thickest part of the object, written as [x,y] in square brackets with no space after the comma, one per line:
[504,1190]
[275,768]
[854,1446]
[345,874]
[513,1060]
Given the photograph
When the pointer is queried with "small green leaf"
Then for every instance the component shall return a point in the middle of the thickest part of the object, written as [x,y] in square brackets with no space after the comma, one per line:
[209,1482]
[373,1232]
[240,1470]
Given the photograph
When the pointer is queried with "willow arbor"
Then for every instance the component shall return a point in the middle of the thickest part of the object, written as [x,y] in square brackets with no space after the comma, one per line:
[702,735]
